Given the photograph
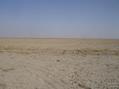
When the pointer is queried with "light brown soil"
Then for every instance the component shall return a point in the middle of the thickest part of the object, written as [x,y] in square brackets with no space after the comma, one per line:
[59,64]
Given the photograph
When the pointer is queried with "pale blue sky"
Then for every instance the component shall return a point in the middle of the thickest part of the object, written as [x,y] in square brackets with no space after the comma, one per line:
[59,18]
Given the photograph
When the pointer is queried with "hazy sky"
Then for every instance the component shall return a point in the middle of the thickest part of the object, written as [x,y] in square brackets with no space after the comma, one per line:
[59,18]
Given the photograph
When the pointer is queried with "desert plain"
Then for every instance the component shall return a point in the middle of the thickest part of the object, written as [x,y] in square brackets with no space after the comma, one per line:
[42,63]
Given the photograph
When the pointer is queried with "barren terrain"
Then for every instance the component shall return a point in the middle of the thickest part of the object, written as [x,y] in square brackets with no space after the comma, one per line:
[59,64]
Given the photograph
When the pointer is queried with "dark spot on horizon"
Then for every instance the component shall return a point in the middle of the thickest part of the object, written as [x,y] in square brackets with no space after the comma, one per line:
[58,60]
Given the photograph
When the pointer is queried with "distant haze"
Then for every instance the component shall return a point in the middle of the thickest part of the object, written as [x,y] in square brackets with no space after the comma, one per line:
[59,18]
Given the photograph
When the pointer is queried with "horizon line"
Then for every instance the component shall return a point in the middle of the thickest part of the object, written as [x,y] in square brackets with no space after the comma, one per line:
[97,38]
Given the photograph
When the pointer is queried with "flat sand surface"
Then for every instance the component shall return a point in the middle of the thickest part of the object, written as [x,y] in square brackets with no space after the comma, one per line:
[59,64]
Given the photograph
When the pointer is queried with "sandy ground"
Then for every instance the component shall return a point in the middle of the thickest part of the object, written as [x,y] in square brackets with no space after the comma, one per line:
[59,64]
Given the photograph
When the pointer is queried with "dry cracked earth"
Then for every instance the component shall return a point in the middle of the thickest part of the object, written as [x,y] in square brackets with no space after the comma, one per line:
[59,64]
